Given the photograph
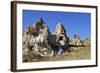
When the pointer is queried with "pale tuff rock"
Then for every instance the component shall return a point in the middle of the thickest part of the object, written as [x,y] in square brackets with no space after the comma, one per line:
[86,42]
[59,40]
[35,40]
[26,37]
[76,40]
[61,36]
[32,40]
[40,25]
[60,29]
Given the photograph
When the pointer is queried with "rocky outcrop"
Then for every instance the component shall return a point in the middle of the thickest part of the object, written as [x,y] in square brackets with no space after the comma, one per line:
[86,42]
[35,40]
[76,40]
[59,40]
[61,36]
[38,41]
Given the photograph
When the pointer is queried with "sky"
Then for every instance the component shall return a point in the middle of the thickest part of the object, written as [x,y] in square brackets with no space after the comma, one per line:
[73,22]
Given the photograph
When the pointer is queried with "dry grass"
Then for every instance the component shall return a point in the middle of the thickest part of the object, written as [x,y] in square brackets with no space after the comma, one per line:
[74,54]
[77,53]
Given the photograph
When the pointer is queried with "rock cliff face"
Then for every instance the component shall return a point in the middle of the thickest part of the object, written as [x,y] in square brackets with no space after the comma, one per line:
[39,42]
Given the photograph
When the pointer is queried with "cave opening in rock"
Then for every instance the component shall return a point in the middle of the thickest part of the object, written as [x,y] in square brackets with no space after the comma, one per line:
[60,38]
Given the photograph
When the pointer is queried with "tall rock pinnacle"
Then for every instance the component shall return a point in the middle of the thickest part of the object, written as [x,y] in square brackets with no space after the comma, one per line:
[61,36]
[60,29]
[40,24]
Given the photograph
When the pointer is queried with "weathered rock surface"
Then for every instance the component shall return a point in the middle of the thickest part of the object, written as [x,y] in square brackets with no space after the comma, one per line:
[35,40]
[86,42]
[61,36]
[76,40]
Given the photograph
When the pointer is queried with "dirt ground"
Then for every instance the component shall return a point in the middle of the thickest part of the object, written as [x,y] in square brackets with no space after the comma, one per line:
[76,53]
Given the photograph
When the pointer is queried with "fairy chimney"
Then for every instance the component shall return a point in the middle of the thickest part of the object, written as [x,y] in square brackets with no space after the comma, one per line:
[38,27]
[61,35]
[40,24]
